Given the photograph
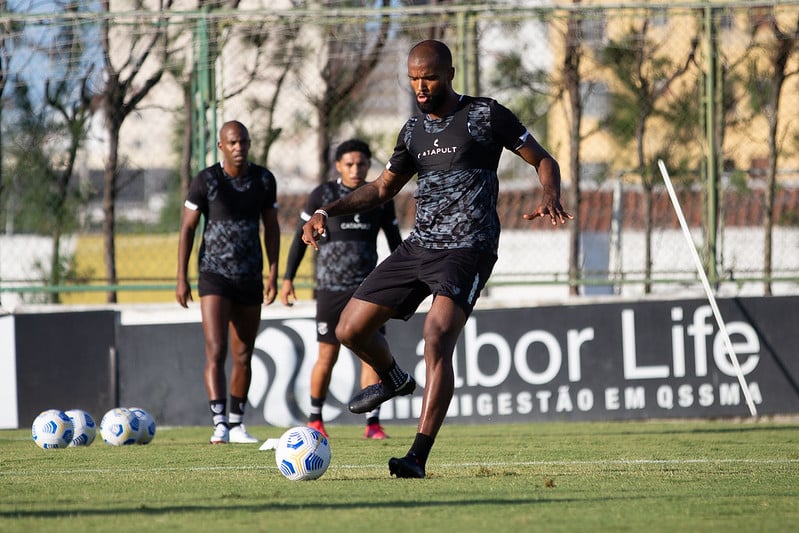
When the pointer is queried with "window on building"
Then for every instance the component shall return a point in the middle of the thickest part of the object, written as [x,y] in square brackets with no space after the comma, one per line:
[595,96]
[593,28]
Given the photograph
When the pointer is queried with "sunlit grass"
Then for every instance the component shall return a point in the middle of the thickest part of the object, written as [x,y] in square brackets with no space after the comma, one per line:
[635,476]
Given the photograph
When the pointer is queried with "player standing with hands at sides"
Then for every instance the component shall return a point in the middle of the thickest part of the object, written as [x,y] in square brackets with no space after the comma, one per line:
[346,255]
[234,197]
[454,147]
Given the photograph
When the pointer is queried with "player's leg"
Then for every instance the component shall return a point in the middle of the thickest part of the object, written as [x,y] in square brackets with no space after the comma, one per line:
[456,278]
[215,312]
[320,383]
[373,428]
[442,327]
[392,290]
[329,305]
[359,330]
[245,321]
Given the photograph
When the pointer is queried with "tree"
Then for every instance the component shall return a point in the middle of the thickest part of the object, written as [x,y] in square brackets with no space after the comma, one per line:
[644,74]
[780,46]
[532,96]
[69,97]
[7,31]
[46,142]
[266,53]
[50,117]
[127,82]
[572,83]
[344,72]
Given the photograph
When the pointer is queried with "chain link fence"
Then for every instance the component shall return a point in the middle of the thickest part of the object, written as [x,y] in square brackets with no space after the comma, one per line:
[107,115]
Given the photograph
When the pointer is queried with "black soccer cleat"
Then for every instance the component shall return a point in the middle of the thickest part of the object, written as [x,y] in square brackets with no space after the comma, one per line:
[373,395]
[406,467]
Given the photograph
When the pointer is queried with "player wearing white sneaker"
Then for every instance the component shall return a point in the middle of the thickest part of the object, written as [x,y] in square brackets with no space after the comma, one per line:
[221,434]
[239,435]
[235,198]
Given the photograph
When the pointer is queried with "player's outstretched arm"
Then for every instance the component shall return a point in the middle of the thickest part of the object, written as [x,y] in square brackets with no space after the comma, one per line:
[549,175]
[364,198]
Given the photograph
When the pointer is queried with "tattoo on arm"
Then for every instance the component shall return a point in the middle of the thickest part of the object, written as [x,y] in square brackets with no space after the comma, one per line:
[361,199]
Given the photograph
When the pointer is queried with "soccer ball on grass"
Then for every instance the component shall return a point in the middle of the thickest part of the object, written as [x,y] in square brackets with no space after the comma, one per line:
[84,428]
[146,425]
[119,427]
[302,453]
[52,429]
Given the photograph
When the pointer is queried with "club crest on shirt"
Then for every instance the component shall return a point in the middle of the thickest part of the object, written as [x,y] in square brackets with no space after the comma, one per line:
[321,328]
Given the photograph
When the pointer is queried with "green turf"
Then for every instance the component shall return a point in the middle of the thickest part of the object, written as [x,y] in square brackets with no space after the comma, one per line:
[634,476]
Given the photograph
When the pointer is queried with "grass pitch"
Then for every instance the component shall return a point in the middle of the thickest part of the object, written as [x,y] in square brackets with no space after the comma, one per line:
[630,476]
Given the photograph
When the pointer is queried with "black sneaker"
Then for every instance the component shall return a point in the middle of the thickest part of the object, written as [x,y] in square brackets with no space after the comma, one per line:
[373,395]
[407,467]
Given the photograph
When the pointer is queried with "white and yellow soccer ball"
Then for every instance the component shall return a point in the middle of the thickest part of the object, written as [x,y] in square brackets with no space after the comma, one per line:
[302,453]
[84,427]
[146,425]
[119,427]
[52,429]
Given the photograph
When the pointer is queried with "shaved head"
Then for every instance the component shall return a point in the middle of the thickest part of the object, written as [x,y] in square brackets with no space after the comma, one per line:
[241,128]
[432,51]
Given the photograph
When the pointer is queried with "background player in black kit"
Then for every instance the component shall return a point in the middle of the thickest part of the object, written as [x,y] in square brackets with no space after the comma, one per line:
[234,197]
[454,147]
[346,255]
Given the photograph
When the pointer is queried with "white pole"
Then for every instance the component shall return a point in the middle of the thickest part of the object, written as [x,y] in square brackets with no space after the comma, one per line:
[703,276]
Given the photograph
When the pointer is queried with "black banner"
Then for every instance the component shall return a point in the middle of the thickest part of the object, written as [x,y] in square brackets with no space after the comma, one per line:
[587,361]
[65,361]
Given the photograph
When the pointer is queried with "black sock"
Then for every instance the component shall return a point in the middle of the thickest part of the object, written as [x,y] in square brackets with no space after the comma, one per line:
[218,409]
[421,447]
[394,377]
[316,409]
[236,410]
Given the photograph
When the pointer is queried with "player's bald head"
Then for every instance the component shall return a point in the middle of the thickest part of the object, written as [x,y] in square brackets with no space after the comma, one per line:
[431,52]
[236,126]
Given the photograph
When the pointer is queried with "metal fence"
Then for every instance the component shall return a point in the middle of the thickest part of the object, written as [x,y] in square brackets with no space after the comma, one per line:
[709,88]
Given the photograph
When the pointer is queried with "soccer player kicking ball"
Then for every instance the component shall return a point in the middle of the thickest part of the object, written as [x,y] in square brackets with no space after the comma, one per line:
[453,147]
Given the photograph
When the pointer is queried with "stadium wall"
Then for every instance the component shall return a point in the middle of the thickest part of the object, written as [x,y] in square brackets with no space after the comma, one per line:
[596,360]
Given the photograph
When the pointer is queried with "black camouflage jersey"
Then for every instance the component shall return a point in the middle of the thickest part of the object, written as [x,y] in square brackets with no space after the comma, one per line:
[231,207]
[348,252]
[456,160]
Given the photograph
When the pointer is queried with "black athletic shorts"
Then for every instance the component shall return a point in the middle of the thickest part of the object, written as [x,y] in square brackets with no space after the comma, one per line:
[412,273]
[329,305]
[241,292]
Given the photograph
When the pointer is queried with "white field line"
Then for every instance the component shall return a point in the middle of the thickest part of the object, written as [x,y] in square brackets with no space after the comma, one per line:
[495,464]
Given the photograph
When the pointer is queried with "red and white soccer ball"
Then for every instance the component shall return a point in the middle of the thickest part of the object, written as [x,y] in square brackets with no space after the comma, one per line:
[302,453]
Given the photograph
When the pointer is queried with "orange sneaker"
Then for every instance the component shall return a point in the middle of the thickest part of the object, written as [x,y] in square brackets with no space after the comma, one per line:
[319,426]
[374,431]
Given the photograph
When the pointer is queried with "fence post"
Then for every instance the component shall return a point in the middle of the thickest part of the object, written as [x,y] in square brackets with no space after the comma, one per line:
[202,94]
[711,165]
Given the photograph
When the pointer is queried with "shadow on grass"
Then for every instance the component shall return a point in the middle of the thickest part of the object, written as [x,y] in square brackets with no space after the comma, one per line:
[153,510]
